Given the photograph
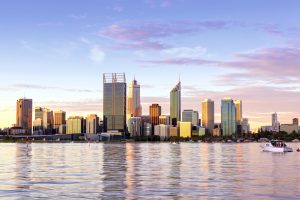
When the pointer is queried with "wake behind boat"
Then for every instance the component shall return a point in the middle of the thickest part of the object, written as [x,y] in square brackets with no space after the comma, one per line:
[277,146]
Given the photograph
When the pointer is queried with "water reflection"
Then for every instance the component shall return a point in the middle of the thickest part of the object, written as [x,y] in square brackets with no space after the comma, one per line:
[147,170]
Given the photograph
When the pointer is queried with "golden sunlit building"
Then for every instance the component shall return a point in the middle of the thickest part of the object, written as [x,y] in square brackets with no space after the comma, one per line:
[154,112]
[164,119]
[208,112]
[185,129]
[238,111]
[92,124]
[134,108]
[75,124]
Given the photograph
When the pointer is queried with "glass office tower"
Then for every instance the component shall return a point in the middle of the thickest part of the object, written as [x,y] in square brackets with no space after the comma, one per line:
[228,117]
[114,101]
[175,104]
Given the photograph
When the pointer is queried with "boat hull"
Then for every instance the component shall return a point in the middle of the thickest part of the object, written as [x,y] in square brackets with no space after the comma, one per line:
[278,149]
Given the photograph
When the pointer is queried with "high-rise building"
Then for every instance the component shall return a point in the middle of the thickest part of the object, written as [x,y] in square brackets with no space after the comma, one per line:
[275,123]
[38,112]
[162,130]
[75,124]
[296,121]
[114,101]
[208,114]
[60,121]
[135,126]
[228,117]
[238,113]
[175,104]
[154,112]
[190,116]
[48,121]
[164,119]
[92,124]
[245,126]
[134,108]
[24,114]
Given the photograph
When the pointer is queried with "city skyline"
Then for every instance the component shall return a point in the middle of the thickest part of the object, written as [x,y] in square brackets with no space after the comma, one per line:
[216,51]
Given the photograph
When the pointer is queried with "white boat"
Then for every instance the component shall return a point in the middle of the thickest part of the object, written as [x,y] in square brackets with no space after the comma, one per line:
[276,146]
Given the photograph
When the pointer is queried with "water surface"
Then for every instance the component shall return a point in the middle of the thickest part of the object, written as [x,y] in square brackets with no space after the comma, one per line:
[147,170]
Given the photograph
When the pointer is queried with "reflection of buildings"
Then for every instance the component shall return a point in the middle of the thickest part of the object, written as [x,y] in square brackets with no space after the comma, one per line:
[131,176]
[114,171]
[23,166]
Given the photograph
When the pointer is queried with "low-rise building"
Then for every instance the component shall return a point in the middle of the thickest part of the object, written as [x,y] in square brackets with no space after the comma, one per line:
[185,129]
[135,126]
[162,131]
[289,128]
[147,129]
[174,131]
[216,132]
[75,124]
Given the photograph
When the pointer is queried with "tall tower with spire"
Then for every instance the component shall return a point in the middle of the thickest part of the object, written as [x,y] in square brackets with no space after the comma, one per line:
[175,103]
[134,108]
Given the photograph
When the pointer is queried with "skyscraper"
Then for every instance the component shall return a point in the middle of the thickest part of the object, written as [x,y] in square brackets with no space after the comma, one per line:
[60,122]
[134,108]
[154,112]
[228,117]
[135,126]
[114,101]
[24,114]
[208,114]
[190,116]
[275,122]
[175,104]
[48,120]
[238,114]
[92,124]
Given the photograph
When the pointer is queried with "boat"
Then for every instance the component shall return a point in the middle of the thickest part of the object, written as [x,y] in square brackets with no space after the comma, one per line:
[276,146]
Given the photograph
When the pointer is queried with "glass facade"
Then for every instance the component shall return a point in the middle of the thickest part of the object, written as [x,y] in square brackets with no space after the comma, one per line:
[208,112]
[114,101]
[228,117]
[175,104]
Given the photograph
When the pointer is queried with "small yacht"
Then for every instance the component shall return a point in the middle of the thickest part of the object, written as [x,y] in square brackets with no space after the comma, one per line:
[276,146]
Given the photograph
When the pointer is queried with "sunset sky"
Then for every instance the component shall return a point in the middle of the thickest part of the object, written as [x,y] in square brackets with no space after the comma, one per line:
[55,52]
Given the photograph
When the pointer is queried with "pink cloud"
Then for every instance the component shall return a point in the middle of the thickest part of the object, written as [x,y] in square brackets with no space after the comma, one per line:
[277,65]
[144,34]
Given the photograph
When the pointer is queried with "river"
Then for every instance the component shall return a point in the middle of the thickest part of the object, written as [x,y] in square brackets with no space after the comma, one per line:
[147,170]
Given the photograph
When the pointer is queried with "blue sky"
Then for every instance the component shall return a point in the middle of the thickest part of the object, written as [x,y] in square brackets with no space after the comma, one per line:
[56,51]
